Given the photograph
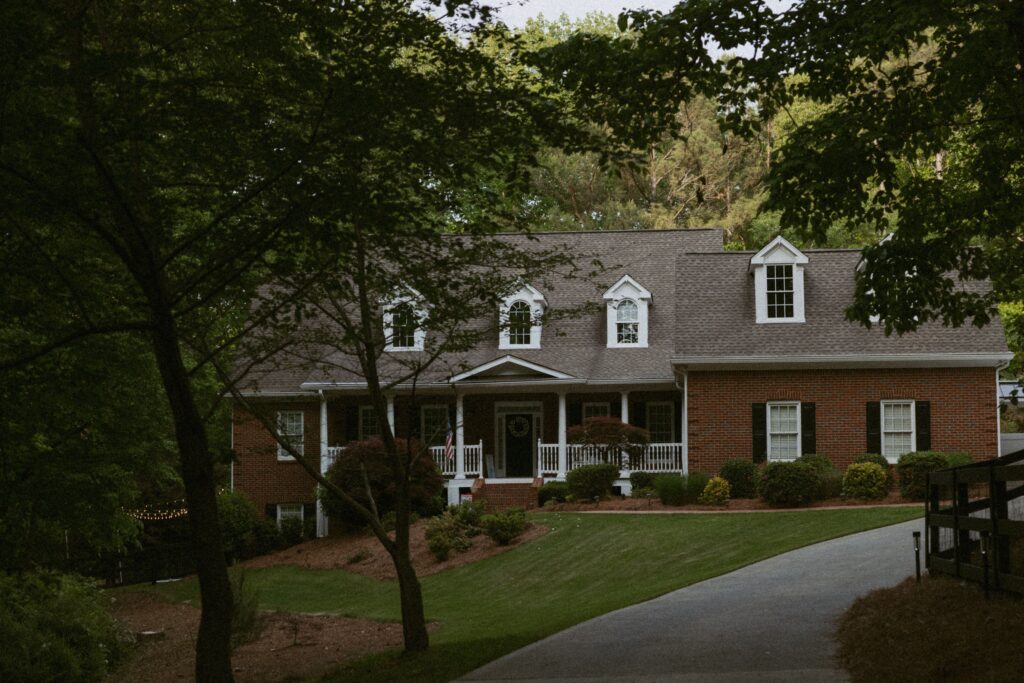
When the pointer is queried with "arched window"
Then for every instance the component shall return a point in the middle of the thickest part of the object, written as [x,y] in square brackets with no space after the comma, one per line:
[627,322]
[520,323]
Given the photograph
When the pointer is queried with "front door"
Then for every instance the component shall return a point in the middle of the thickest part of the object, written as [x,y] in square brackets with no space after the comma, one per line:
[519,439]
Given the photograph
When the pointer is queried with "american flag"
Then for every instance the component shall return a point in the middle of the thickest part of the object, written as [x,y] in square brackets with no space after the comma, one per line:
[449,449]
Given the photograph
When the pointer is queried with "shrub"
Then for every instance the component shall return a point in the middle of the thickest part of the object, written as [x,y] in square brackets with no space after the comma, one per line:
[55,627]
[645,493]
[245,615]
[695,484]
[469,515]
[309,527]
[957,458]
[611,437]
[865,480]
[552,491]
[913,469]
[830,484]
[671,489]
[740,475]
[347,473]
[788,483]
[641,480]
[716,492]
[291,531]
[505,527]
[819,462]
[267,537]
[592,481]
[239,520]
[882,462]
[446,533]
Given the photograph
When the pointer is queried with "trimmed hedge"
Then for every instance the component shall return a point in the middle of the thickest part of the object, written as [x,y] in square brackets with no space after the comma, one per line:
[552,490]
[789,483]
[817,461]
[913,469]
[671,489]
[505,527]
[741,476]
[716,492]
[882,462]
[641,480]
[695,484]
[830,484]
[865,480]
[592,481]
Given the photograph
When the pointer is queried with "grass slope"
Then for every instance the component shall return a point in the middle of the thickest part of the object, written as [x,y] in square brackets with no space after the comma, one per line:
[587,565]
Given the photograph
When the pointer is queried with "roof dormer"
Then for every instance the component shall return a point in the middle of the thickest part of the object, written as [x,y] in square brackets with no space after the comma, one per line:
[404,316]
[627,314]
[779,282]
[520,319]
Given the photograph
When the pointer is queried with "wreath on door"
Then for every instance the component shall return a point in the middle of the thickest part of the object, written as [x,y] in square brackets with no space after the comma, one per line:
[518,427]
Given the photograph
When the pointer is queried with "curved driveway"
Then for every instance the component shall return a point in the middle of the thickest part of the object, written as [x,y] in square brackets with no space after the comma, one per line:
[769,621]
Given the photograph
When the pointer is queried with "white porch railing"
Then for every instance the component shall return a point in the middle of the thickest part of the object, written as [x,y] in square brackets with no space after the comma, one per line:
[655,458]
[473,454]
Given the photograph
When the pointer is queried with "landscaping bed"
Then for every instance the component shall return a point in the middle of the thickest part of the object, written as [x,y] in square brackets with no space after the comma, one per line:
[620,503]
[939,630]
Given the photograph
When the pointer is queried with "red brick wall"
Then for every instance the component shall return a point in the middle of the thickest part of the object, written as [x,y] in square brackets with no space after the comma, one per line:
[963,410]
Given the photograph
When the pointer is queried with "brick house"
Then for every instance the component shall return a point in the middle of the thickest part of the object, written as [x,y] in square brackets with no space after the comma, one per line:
[718,354]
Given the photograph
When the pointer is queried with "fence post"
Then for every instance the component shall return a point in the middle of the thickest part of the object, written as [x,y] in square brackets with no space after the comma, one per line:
[956,524]
[932,538]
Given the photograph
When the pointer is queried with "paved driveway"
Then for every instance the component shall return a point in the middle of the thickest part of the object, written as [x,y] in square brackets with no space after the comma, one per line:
[770,621]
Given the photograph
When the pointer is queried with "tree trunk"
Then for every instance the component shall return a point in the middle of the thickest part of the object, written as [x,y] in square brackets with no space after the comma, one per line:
[414,622]
[213,644]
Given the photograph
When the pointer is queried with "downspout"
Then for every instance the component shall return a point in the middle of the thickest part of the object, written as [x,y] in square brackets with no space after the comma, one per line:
[999,417]
[321,514]
[684,435]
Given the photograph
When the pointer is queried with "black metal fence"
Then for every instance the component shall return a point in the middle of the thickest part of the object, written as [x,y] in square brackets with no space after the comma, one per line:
[975,521]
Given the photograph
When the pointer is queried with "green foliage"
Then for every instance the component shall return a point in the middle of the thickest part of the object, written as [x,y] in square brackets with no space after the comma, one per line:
[818,462]
[671,489]
[447,533]
[266,537]
[56,628]
[789,484]
[552,491]
[913,468]
[504,527]
[246,623]
[592,482]
[610,437]
[238,523]
[291,531]
[641,480]
[425,482]
[865,480]
[740,474]
[882,462]
[830,484]
[716,492]
[695,484]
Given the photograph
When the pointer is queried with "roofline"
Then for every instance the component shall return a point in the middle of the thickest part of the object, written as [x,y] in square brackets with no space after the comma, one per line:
[865,360]
[522,233]
[509,358]
[312,387]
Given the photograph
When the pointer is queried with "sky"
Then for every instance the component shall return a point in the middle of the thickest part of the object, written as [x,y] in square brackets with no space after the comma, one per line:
[516,12]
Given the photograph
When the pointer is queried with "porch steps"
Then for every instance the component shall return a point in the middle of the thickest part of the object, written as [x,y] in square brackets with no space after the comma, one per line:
[498,495]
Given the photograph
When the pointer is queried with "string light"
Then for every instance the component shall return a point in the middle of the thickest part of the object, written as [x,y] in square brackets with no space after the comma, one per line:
[175,509]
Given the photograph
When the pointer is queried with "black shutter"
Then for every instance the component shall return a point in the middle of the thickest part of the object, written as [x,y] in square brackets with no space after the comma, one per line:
[351,423]
[574,413]
[308,511]
[271,511]
[616,409]
[638,414]
[759,428]
[874,423]
[808,433]
[923,422]
[678,419]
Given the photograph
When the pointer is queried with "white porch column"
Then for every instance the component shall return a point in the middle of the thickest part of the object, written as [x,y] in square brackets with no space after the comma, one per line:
[391,412]
[625,407]
[685,436]
[460,440]
[321,517]
[563,455]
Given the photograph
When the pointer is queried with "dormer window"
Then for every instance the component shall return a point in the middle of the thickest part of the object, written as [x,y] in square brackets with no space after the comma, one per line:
[520,316]
[628,305]
[403,323]
[779,283]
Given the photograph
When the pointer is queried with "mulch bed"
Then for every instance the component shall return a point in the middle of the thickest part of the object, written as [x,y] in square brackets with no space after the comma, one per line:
[734,505]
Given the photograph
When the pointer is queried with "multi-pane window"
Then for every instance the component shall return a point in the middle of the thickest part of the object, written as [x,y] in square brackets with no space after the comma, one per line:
[661,422]
[596,410]
[289,511]
[783,431]
[627,322]
[780,291]
[403,327]
[519,323]
[368,424]
[897,428]
[289,427]
[435,425]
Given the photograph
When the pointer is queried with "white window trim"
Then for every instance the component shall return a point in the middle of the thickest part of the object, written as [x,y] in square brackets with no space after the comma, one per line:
[363,436]
[627,289]
[535,300]
[283,454]
[778,252]
[672,414]
[595,404]
[913,426]
[414,300]
[799,429]
[302,511]
[423,420]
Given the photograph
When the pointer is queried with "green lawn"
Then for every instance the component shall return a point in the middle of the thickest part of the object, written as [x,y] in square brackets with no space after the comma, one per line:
[587,565]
